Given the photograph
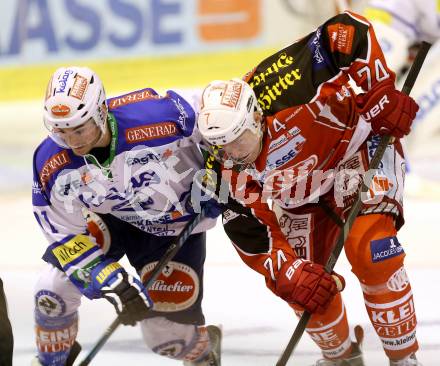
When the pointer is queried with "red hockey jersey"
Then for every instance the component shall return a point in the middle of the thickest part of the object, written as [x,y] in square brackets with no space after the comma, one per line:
[311,127]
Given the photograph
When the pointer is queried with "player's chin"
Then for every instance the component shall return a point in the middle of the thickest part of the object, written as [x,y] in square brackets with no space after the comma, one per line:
[82,150]
[251,157]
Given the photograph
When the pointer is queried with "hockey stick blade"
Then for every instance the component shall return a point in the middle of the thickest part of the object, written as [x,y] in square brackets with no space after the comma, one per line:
[354,211]
[169,254]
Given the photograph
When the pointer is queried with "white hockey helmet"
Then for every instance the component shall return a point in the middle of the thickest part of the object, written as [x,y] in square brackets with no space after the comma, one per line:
[73,96]
[227,111]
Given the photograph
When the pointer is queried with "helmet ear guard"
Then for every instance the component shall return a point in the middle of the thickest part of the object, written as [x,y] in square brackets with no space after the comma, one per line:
[227,110]
[74,95]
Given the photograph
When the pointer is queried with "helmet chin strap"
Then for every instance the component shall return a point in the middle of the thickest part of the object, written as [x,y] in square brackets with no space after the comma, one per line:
[260,134]
[103,129]
[58,140]
[100,137]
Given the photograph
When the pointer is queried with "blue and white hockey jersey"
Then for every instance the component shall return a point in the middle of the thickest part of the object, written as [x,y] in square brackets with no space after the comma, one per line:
[154,156]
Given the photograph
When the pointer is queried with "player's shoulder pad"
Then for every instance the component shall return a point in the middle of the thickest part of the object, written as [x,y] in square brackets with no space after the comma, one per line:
[49,161]
[344,38]
[146,118]
[349,17]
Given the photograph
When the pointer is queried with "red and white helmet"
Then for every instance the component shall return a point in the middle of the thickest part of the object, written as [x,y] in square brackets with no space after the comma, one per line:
[73,96]
[227,111]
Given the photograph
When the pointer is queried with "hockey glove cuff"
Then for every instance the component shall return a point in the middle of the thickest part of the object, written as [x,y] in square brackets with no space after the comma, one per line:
[127,294]
[389,111]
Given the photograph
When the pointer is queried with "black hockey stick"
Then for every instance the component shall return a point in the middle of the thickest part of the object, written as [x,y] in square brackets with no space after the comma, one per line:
[354,211]
[169,254]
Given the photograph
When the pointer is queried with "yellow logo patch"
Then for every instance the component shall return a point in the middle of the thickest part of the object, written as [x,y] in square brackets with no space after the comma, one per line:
[109,269]
[73,249]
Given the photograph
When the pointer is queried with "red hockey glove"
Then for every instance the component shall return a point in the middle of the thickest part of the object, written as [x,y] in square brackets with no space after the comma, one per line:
[389,111]
[308,285]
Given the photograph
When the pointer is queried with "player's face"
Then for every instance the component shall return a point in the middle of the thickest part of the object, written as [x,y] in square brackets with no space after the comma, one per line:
[245,149]
[80,139]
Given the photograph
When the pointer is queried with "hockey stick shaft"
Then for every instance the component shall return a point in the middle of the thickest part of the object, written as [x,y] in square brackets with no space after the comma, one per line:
[354,211]
[169,254]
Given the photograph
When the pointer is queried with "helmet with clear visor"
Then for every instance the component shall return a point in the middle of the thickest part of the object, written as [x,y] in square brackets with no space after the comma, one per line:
[227,117]
[74,95]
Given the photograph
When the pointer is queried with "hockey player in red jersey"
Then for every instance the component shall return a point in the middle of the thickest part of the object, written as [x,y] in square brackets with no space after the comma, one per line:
[295,133]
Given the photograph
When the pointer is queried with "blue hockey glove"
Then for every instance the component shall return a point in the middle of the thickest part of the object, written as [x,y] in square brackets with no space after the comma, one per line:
[197,201]
[201,196]
[211,207]
[127,294]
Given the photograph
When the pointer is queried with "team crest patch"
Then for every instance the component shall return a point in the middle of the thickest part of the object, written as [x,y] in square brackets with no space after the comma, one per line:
[175,289]
[49,303]
[386,248]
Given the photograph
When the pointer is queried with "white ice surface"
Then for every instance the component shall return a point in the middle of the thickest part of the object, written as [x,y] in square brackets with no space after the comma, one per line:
[256,324]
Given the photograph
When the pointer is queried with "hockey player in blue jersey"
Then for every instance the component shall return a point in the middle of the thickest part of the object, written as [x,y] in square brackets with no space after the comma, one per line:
[114,178]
